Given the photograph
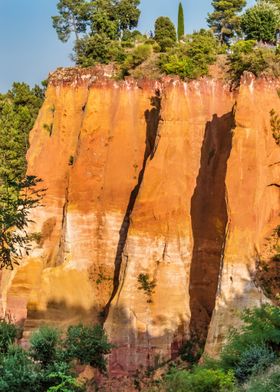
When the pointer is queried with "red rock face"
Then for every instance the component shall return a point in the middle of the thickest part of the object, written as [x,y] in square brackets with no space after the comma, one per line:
[163,181]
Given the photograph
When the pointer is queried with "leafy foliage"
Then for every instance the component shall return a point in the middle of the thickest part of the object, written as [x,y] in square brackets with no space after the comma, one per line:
[18,193]
[18,372]
[225,19]
[73,18]
[165,33]
[261,22]
[200,380]
[8,335]
[101,22]
[267,382]
[136,57]
[254,360]
[261,327]
[147,285]
[88,344]
[246,56]
[275,128]
[97,49]
[191,60]
[44,345]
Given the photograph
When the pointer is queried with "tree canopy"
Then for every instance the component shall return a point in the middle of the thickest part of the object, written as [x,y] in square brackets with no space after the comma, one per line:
[225,19]
[165,32]
[18,192]
[261,21]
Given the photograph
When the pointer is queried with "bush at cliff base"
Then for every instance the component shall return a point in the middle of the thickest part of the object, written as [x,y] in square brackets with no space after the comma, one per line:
[48,364]
[200,380]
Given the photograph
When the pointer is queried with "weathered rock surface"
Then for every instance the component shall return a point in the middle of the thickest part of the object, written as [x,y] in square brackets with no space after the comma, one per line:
[175,182]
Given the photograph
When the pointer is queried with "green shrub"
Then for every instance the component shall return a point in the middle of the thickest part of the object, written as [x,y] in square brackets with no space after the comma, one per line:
[136,57]
[191,60]
[18,372]
[245,56]
[200,380]
[59,378]
[88,344]
[254,360]
[45,345]
[8,335]
[147,285]
[268,382]
[96,49]
[261,327]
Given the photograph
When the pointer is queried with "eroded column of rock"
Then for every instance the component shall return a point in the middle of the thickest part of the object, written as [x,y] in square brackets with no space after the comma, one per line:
[88,146]
[149,327]
[253,204]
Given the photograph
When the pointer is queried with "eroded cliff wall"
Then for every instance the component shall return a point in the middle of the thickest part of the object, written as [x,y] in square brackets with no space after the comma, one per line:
[169,181]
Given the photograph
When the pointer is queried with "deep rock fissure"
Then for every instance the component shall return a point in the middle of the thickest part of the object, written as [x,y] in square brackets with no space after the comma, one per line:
[209,216]
[153,119]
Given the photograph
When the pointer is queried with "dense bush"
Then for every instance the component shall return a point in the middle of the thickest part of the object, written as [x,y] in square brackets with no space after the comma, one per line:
[88,344]
[18,372]
[254,360]
[268,382]
[44,345]
[261,22]
[246,56]
[199,380]
[8,335]
[191,60]
[48,364]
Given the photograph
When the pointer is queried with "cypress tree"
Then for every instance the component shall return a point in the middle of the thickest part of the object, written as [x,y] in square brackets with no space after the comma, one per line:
[181,24]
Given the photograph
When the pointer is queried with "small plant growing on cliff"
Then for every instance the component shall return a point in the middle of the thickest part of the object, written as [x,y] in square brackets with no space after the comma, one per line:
[49,128]
[147,285]
[275,126]
[71,160]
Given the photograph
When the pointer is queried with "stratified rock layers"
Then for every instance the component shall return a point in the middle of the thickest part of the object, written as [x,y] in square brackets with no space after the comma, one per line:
[166,180]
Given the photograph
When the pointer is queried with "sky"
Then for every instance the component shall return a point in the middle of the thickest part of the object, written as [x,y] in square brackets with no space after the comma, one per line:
[30,49]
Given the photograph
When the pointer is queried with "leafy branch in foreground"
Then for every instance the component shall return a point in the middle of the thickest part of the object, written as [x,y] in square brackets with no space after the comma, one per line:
[17,199]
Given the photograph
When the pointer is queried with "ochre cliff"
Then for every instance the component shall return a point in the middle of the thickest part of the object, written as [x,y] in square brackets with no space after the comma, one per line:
[177,182]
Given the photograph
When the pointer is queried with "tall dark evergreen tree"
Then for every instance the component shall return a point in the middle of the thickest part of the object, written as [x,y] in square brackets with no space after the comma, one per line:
[181,22]
[225,19]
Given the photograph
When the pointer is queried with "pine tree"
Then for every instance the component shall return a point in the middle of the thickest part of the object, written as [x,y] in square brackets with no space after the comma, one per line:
[181,23]
[225,19]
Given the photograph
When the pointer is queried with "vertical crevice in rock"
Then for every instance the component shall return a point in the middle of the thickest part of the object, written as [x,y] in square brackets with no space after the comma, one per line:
[209,224]
[152,118]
